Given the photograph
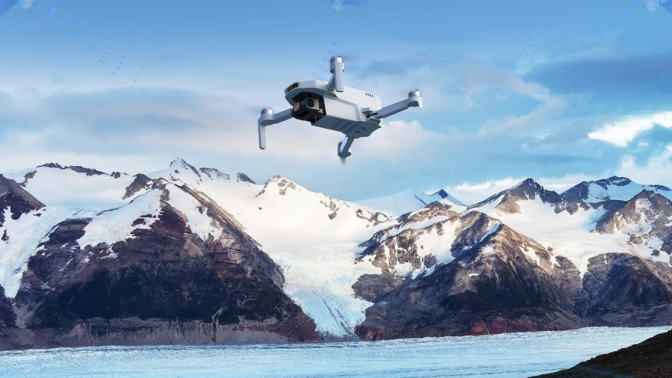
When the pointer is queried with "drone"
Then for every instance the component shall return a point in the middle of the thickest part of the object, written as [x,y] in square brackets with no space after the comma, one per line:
[331,105]
[654,5]
[6,5]
[337,5]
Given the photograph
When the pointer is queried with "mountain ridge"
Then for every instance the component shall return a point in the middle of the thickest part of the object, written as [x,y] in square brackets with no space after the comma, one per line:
[344,263]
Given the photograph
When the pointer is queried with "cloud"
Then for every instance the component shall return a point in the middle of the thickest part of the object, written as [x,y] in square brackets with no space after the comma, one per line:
[163,121]
[609,75]
[623,132]
[454,83]
[657,170]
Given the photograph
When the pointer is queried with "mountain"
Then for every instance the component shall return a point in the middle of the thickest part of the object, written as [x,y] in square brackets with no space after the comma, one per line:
[507,200]
[409,201]
[518,261]
[613,188]
[311,236]
[648,359]
[197,255]
[169,266]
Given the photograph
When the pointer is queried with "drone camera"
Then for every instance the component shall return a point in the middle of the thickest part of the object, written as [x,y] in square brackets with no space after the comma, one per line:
[308,107]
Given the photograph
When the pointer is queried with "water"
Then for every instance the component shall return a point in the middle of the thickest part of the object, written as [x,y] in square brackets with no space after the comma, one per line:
[501,356]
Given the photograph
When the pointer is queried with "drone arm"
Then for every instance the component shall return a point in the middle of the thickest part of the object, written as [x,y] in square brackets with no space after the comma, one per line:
[337,68]
[268,118]
[414,100]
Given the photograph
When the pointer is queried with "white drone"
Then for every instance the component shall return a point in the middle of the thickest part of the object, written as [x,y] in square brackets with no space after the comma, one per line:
[336,107]
[654,5]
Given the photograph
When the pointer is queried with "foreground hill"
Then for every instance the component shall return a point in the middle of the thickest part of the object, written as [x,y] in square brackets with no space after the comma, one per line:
[649,359]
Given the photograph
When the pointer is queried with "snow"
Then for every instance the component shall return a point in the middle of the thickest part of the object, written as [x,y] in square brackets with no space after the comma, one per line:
[316,254]
[117,225]
[69,189]
[197,218]
[25,234]
[408,201]
[515,355]
[438,245]
[419,225]
[488,250]
[398,204]
[530,254]
[597,193]
[568,234]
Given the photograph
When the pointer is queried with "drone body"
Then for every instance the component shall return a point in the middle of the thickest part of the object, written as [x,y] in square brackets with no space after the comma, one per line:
[654,5]
[333,106]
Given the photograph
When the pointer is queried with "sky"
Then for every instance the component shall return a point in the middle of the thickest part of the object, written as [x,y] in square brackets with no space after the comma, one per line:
[557,91]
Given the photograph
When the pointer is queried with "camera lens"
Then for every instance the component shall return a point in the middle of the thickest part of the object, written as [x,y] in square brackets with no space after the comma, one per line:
[310,102]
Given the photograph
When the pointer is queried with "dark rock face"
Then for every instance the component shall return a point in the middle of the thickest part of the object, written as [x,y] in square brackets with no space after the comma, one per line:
[623,289]
[241,177]
[527,190]
[164,285]
[580,191]
[7,317]
[76,168]
[501,281]
[141,182]
[490,287]
[215,174]
[16,199]
[648,359]
[649,213]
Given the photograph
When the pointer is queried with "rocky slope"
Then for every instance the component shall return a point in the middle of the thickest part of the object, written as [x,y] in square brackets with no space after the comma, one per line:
[171,266]
[449,273]
[649,359]
[195,255]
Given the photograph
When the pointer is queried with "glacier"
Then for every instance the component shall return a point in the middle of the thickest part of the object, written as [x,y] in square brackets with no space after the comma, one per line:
[502,356]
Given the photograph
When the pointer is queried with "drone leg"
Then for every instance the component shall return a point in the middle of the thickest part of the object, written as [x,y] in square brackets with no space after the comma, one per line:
[269,118]
[344,147]
[262,136]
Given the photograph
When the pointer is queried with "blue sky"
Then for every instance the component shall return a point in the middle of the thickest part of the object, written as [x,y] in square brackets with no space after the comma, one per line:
[558,91]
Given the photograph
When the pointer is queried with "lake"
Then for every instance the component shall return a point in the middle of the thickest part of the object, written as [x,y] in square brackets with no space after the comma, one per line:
[501,356]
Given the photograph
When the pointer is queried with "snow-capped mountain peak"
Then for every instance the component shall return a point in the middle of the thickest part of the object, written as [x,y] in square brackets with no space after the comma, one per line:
[409,201]
[612,188]
[447,196]
[507,200]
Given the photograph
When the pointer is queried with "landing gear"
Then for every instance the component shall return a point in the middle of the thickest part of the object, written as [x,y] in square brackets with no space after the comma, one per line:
[344,147]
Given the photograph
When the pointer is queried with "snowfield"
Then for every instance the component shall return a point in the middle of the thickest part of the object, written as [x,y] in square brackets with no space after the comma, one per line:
[502,356]
[569,235]
[311,236]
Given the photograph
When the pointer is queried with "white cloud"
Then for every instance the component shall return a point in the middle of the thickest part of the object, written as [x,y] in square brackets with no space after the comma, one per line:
[658,170]
[623,132]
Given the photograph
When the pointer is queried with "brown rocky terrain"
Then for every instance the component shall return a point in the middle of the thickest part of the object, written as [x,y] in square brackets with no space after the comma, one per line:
[164,285]
[648,359]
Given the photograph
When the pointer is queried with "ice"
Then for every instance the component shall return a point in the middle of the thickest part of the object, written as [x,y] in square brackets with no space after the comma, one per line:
[25,234]
[315,249]
[503,356]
